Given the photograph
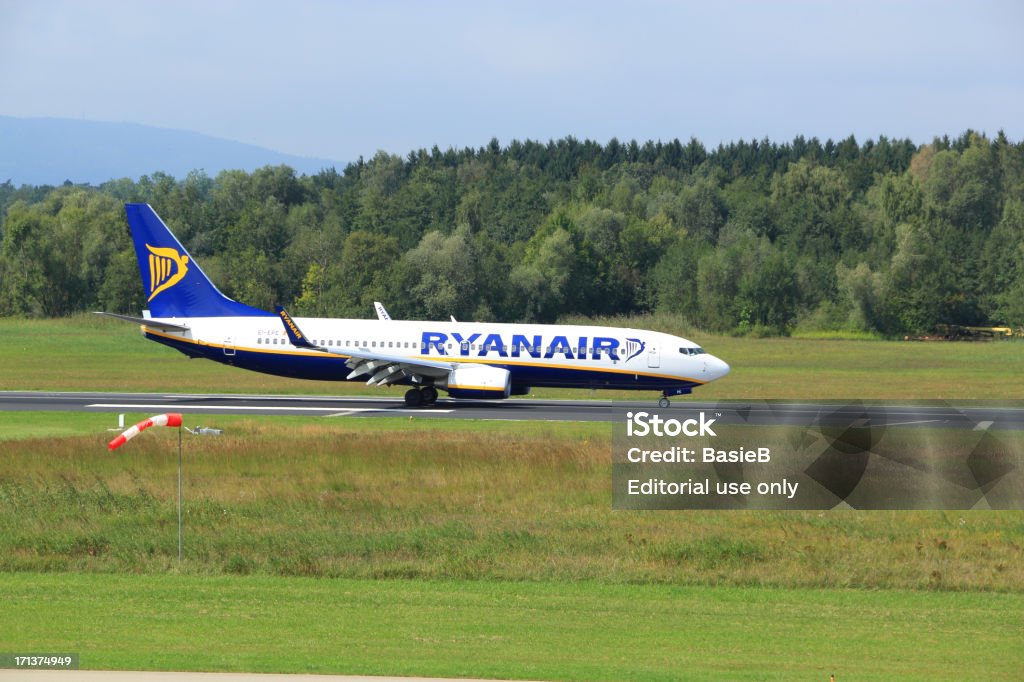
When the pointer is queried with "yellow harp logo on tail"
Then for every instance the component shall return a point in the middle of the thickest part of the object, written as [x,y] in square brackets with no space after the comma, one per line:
[167,267]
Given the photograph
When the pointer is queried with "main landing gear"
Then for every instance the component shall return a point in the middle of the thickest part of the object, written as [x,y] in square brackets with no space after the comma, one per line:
[415,397]
[664,401]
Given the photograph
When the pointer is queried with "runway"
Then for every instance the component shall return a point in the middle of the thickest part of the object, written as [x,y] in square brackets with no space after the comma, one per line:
[973,416]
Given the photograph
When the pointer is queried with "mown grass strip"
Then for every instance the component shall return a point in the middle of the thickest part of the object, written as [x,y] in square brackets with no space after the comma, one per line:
[547,630]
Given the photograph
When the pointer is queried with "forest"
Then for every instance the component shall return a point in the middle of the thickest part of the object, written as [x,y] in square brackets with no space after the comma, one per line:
[885,237]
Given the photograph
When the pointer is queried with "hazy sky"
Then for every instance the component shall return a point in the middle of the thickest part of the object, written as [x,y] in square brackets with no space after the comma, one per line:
[342,79]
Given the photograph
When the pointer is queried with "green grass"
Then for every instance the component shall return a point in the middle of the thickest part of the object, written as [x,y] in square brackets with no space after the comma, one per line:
[426,499]
[28,424]
[837,335]
[91,353]
[544,630]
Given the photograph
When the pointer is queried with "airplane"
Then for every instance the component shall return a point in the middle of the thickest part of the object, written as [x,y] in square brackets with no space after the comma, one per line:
[467,360]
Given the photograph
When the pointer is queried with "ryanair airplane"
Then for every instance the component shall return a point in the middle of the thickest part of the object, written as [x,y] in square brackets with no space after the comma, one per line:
[466,360]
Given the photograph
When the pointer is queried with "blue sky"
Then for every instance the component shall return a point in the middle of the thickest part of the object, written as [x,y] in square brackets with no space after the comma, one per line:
[342,79]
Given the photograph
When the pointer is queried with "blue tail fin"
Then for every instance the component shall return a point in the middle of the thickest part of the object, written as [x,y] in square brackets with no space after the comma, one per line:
[175,285]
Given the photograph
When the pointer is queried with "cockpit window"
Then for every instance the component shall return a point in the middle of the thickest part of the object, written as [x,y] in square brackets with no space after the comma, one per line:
[696,350]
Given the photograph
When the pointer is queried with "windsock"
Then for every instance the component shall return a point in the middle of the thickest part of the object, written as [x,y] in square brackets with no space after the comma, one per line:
[172,419]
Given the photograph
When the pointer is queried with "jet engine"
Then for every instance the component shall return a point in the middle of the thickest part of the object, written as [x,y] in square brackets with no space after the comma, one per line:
[479,381]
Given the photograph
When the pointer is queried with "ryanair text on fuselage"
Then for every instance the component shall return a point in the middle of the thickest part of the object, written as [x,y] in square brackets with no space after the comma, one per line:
[534,346]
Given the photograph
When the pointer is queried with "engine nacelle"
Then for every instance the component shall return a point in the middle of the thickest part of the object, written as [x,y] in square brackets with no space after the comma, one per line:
[479,381]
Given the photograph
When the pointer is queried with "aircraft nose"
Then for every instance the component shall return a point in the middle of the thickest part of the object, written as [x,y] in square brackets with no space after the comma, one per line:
[717,367]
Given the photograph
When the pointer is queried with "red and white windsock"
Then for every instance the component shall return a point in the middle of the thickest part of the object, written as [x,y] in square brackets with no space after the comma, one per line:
[171,419]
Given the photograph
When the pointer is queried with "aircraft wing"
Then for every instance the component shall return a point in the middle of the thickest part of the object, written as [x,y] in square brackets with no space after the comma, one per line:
[383,369]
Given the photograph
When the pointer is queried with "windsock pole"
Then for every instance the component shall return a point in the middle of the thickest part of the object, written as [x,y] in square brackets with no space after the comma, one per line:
[170,419]
[179,489]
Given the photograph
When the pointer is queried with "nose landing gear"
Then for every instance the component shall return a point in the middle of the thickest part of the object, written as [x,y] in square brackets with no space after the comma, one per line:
[667,393]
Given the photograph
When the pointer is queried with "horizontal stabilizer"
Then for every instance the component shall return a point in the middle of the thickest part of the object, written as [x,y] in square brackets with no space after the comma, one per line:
[153,324]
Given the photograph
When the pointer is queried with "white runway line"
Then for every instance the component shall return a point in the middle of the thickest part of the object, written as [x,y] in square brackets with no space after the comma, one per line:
[189,408]
[920,421]
[384,412]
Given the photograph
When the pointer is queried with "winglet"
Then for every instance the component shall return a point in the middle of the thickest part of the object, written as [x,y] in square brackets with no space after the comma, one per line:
[382,313]
[295,335]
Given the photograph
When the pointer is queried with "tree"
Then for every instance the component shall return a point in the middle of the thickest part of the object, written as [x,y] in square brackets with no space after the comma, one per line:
[542,281]
[439,276]
[363,274]
[22,279]
[674,280]
[863,293]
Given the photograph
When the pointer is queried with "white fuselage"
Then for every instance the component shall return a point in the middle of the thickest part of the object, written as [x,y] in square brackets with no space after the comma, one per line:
[573,356]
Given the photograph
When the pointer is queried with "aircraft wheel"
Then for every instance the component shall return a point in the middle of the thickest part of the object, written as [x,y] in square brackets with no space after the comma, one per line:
[429,395]
[413,398]
[664,402]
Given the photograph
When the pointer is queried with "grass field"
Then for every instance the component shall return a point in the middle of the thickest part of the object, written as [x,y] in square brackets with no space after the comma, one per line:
[471,549]
[93,353]
[423,499]
[545,630]
[463,548]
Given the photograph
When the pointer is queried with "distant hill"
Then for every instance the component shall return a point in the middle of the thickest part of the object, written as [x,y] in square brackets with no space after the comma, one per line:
[48,151]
